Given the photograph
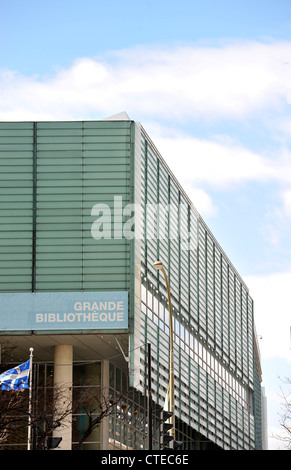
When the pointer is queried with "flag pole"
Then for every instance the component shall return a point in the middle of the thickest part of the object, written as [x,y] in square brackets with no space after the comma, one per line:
[29,440]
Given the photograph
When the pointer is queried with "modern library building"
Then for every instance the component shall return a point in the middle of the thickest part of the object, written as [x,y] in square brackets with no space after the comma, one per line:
[110,274]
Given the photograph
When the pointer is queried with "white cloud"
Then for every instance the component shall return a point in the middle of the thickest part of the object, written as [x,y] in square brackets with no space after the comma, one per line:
[220,163]
[201,200]
[232,80]
[272,306]
[286,198]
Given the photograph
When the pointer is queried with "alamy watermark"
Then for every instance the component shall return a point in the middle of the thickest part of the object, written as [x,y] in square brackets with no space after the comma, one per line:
[151,222]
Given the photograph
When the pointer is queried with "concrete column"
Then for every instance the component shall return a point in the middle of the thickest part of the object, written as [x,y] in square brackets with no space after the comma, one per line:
[63,382]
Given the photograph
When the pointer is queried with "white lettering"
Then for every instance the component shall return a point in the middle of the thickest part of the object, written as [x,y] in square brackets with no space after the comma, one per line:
[101,228]
[120,316]
[86,312]
[87,316]
[117,218]
[39,317]
[125,222]
[95,306]
[79,317]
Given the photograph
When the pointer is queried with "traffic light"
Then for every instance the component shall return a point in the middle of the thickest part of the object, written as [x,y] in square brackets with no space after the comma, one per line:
[165,427]
[52,442]
[177,444]
[166,440]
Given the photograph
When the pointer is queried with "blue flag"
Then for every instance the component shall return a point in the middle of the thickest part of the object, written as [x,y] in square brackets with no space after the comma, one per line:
[15,379]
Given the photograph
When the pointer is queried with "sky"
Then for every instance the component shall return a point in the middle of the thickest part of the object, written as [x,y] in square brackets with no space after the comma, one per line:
[210,81]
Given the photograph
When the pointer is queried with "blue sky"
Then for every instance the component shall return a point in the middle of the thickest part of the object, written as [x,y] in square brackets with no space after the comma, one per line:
[36,36]
[211,83]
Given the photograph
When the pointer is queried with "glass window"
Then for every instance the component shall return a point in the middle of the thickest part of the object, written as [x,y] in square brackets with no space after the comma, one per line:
[167,318]
[156,306]
[176,327]
[143,294]
[150,300]
[87,374]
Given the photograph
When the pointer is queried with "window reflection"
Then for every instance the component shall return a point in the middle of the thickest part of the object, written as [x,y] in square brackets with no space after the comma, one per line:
[156,310]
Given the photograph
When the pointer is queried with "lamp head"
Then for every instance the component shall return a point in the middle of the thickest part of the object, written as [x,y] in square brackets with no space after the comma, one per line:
[158,264]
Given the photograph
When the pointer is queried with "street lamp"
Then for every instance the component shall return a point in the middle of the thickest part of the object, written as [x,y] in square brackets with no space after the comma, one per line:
[159,265]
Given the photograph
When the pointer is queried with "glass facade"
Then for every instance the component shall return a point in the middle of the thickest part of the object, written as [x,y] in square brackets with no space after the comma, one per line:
[127,409]
[213,325]
[67,193]
[128,420]
[52,174]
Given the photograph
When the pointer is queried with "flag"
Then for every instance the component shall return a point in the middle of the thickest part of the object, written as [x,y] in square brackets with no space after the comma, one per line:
[15,379]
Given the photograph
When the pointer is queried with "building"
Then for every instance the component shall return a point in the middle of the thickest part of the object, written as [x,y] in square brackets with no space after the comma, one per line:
[86,210]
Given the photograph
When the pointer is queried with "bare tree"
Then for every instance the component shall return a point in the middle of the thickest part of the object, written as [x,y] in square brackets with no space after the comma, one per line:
[285,417]
[13,419]
[15,414]
[13,404]
[97,405]
[45,416]
[94,403]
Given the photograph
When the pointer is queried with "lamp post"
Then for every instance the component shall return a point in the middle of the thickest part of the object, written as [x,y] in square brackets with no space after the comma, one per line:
[159,265]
